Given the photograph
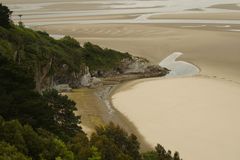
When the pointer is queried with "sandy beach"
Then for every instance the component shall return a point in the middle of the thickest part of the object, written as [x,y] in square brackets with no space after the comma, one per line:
[215,93]
[198,115]
[200,120]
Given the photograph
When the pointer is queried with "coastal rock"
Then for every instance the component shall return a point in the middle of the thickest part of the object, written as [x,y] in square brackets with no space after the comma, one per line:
[86,79]
[142,67]
[63,88]
[137,65]
[155,70]
[96,82]
[129,68]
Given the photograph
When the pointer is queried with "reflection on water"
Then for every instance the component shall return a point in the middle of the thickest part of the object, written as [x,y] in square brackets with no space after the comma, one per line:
[178,68]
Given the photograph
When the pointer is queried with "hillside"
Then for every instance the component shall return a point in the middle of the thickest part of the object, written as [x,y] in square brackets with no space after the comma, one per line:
[60,61]
[42,125]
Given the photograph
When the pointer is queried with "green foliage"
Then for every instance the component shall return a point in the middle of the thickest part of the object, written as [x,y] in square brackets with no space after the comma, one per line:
[65,121]
[99,59]
[41,145]
[5,14]
[114,143]
[80,146]
[55,148]
[160,154]
[70,42]
[36,49]
[150,156]
[95,154]
[11,132]
[8,152]
[18,100]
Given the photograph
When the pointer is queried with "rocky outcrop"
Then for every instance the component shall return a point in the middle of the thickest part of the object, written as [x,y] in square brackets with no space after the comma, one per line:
[42,78]
[129,68]
[134,65]
[63,88]
[88,81]
[142,67]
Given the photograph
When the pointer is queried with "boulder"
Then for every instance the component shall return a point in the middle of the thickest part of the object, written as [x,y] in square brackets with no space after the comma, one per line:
[135,65]
[86,79]
[63,88]
[96,82]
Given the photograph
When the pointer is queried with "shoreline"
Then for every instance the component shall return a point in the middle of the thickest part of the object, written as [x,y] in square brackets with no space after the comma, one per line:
[195,114]
[115,84]
[225,106]
[120,118]
[106,112]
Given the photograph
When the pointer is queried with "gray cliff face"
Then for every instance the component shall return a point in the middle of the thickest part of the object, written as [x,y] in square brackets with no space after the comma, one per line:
[143,67]
[88,81]
[65,80]
[136,65]
[86,78]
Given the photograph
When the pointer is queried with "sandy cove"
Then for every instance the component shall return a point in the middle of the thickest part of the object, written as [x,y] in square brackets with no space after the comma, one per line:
[213,48]
[198,116]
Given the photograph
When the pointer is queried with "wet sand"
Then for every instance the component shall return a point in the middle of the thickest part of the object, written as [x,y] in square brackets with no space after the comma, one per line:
[226,6]
[76,18]
[94,111]
[199,15]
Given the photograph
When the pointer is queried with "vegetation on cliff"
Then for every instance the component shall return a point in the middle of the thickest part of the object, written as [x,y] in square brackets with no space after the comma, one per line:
[53,60]
[42,125]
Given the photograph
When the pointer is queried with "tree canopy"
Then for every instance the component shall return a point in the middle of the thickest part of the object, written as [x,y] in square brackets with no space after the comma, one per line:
[19,100]
[5,15]
[115,143]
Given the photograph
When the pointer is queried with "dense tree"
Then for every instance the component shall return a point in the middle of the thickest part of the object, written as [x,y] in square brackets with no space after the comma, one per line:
[18,100]
[42,145]
[70,42]
[176,156]
[160,154]
[95,154]
[115,143]
[56,149]
[80,146]
[99,59]
[151,155]
[11,132]
[33,141]
[66,123]
[8,152]
[5,14]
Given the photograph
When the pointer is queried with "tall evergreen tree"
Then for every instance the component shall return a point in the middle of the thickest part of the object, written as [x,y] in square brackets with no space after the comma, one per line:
[5,15]
[66,123]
